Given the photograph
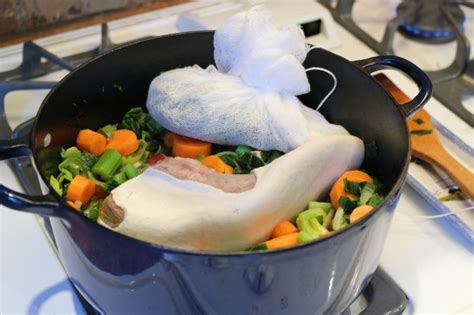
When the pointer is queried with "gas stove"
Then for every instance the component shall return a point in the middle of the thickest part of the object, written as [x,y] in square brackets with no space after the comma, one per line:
[32,277]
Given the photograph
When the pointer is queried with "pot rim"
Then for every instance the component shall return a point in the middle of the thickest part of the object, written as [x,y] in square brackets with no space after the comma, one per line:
[391,196]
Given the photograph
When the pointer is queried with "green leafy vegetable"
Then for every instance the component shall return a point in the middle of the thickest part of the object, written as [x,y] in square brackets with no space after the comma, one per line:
[92,211]
[353,187]
[70,153]
[71,167]
[375,200]
[89,159]
[142,124]
[371,150]
[137,155]
[56,185]
[418,121]
[367,191]
[347,204]
[421,132]
[241,149]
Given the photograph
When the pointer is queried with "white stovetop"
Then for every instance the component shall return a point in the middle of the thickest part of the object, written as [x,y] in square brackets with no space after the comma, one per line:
[429,259]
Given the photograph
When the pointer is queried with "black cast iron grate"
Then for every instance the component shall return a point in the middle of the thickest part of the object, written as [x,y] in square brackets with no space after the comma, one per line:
[451,84]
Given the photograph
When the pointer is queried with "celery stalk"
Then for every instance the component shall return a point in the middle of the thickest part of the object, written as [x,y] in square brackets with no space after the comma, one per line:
[107,164]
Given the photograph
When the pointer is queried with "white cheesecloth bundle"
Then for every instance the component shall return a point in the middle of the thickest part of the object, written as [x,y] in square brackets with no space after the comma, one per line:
[251,97]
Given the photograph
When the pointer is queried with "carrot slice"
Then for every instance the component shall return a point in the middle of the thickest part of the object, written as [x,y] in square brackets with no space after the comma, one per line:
[73,205]
[91,141]
[283,241]
[168,139]
[80,189]
[124,141]
[189,148]
[360,212]
[337,189]
[214,162]
[283,228]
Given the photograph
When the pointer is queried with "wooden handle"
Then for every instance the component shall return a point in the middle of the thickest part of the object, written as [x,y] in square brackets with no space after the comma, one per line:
[458,173]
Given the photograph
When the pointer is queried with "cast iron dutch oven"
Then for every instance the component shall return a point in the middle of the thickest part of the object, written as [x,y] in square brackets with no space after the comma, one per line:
[121,275]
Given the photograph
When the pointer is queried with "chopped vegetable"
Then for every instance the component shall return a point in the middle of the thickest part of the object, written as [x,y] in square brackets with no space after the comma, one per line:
[337,189]
[92,211]
[283,228]
[214,162]
[310,221]
[56,185]
[367,191]
[418,121]
[124,141]
[70,152]
[130,170]
[91,141]
[326,206]
[89,159]
[80,189]
[360,212]
[353,188]
[421,132]
[107,130]
[347,204]
[371,150]
[190,148]
[100,193]
[168,139]
[73,205]
[241,149]
[375,200]
[156,158]
[107,164]
[142,124]
[304,237]
[283,241]
[137,155]
[338,222]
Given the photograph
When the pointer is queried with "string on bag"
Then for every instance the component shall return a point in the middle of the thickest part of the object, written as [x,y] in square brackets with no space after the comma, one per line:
[328,72]
[438,216]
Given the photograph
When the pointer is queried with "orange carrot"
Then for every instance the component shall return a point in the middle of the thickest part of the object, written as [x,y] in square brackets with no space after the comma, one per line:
[360,212]
[283,228]
[214,162]
[168,139]
[80,189]
[189,148]
[73,205]
[124,141]
[337,189]
[91,141]
[282,241]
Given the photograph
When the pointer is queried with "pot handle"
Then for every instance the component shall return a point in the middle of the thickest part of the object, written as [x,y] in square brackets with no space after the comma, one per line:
[45,205]
[377,63]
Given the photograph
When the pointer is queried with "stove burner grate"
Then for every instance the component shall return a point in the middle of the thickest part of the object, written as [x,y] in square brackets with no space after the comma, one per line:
[427,22]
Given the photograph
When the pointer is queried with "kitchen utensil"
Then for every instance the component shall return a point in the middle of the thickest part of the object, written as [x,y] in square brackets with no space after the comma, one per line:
[121,275]
[426,145]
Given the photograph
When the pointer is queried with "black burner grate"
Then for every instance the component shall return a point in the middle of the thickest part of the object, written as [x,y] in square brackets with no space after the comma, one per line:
[451,84]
